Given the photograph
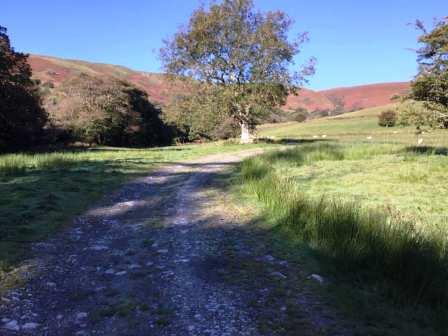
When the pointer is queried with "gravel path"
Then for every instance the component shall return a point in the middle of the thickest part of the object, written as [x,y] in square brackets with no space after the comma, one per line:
[164,256]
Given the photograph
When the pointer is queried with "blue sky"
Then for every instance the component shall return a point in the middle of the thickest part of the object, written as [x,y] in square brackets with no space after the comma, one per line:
[355,42]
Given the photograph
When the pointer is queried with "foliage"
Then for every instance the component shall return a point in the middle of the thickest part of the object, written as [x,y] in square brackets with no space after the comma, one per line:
[106,111]
[300,115]
[431,85]
[21,116]
[240,56]
[199,117]
[412,112]
[387,118]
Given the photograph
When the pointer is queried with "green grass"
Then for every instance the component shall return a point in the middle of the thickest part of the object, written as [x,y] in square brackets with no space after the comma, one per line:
[377,211]
[41,192]
[354,126]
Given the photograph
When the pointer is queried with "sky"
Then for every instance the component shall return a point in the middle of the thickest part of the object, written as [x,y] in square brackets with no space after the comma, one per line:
[355,42]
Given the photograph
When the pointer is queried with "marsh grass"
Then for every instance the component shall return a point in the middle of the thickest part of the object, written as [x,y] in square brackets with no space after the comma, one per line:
[379,242]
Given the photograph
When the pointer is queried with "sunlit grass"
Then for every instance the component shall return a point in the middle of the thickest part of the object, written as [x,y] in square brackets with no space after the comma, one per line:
[40,192]
[377,208]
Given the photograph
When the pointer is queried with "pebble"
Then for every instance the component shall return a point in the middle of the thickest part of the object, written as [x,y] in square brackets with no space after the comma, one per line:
[149,263]
[110,271]
[134,266]
[81,316]
[317,278]
[279,275]
[99,247]
[30,326]
[121,273]
[12,325]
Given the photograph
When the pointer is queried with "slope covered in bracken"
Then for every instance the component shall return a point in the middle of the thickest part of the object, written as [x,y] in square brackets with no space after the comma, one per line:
[54,71]
[365,96]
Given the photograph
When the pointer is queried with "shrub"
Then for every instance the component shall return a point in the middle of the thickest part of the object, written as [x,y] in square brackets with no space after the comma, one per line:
[387,118]
[106,111]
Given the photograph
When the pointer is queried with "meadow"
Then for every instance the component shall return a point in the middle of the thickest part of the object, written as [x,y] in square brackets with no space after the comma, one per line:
[369,204]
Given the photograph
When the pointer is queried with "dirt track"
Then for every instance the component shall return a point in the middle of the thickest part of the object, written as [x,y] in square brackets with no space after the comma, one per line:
[164,255]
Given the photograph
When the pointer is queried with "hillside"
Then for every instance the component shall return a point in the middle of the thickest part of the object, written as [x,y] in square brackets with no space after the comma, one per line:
[55,70]
[365,96]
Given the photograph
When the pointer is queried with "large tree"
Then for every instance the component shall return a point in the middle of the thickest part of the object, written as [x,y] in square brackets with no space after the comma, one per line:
[240,57]
[431,84]
[21,115]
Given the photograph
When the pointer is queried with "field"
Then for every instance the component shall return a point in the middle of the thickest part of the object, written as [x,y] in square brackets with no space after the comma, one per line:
[355,126]
[41,192]
[360,204]
[366,201]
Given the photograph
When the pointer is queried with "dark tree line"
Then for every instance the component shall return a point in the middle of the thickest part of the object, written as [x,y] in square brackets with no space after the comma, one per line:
[21,116]
[92,110]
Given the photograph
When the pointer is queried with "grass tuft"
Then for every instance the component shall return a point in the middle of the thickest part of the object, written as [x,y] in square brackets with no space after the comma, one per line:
[380,242]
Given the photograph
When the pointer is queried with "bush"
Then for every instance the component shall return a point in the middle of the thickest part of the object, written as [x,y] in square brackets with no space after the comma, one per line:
[387,118]
[106,111]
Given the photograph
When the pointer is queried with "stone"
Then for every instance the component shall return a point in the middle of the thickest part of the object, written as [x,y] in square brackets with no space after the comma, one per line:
[279,275]
[110,271]
[81,316]
[12,325]
[317,278]
[121,273]
[30,326]
[134,266]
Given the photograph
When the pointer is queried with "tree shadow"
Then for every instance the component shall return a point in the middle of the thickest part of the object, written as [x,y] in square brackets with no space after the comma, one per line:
[427,150]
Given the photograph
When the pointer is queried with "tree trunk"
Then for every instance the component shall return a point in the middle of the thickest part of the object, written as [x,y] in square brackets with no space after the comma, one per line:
[245,133]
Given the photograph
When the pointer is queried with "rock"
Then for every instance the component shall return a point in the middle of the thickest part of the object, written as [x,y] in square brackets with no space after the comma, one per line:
[191,328]
[12,325]
[134,266]
[30,326]
[121,273]
[279,275]
[269,258]
[110,271]
[5,320]
[81,316]
[99,247]
[149,263]
[59,317]
[317,278]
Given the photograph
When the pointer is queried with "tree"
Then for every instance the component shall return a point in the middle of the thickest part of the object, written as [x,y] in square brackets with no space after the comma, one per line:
[21,116]
[240,57]
[103,110]
[387,118]
[431,84]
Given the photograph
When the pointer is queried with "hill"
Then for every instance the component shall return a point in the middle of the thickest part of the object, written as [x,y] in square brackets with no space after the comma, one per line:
[365,96]
[54,71]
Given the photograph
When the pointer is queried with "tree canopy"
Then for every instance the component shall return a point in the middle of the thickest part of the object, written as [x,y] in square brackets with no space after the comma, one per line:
[431,84]
[241,58]
[21,115]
